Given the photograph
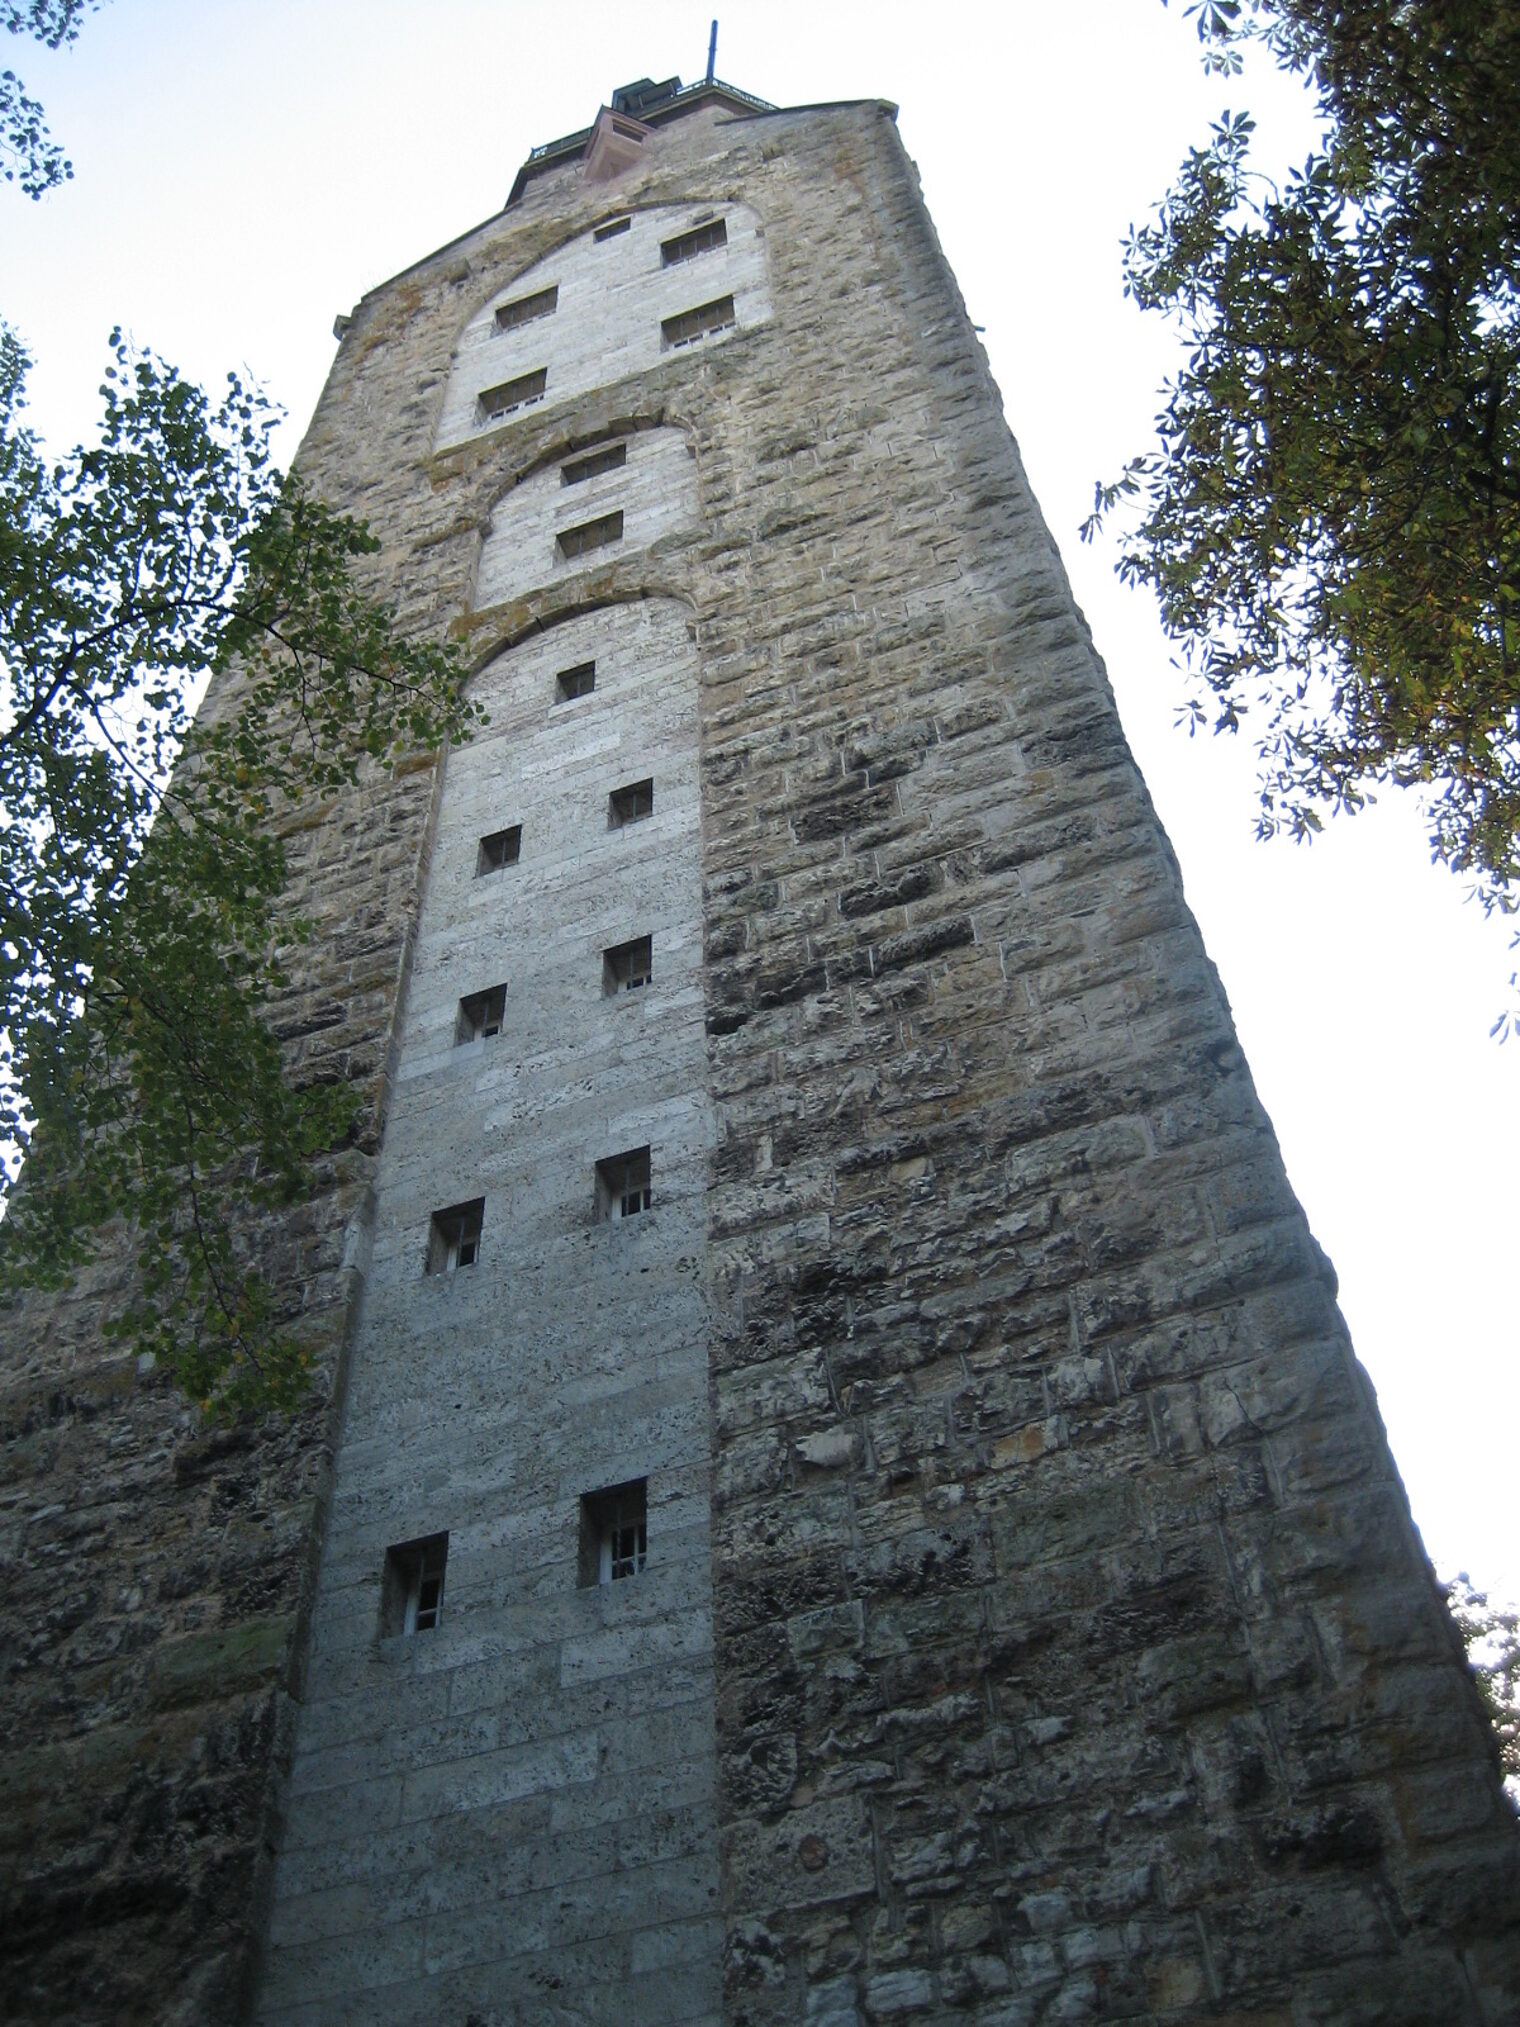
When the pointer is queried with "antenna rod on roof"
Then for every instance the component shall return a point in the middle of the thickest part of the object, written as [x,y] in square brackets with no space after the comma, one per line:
[712,51]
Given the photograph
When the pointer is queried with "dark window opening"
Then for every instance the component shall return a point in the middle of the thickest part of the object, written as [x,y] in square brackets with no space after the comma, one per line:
[630,804]
[622,1186]
[454,1237]
[411,1593]
[687,245]
[501,848]
[598,534]
[628,966]
[481,1015]
[577,682]
[610,458]
[614,1533]
[528,309]
[514,394]
[691,326]
[612,228]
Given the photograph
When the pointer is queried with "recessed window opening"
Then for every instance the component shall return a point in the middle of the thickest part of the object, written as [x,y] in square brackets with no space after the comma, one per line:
[511,395]
[630,804]
[481,1015]
[692,326]
[454,1237]
[628,132]
[614,1533]
[612,228]
[411,1595]
[598,534]
[528,309]
[623,1186]
[626,967]
[608,459]
[577,682]
[501,848]
[699,239]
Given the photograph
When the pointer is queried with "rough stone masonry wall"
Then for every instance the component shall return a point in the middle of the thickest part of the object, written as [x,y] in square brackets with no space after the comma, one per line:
[159,1577]
[1076,1655]
[1075,1658]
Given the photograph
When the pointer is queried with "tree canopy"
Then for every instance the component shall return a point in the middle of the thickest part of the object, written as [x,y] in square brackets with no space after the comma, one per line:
[1491,1635]
[1331,515]
[28,153]
[141,934]
[142,868]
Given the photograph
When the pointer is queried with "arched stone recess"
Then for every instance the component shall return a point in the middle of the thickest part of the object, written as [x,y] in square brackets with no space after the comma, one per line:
[491,1399]
[576,711]
[583,511]
[639,287]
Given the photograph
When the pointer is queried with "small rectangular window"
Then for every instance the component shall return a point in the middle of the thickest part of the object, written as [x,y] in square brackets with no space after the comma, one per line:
[614,1533]
[511,395]
[454,1237]
[501,848]
[577,682]
[612,228]
[610,458]
[630,804]
[687,245]
[481,1015]
[628,966]
[598,534]
[528,309]
[411,1594]
[692,326]
[622,1186]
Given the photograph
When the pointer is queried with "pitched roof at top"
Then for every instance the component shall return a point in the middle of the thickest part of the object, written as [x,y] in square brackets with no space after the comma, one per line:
[652,104]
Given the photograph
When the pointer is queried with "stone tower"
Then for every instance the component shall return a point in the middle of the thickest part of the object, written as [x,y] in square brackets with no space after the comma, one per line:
[845,1496]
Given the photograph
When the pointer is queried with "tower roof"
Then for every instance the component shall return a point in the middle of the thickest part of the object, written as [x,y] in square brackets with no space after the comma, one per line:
[653,104]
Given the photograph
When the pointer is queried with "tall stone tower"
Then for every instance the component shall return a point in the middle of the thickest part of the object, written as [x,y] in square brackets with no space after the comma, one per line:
[846,1496]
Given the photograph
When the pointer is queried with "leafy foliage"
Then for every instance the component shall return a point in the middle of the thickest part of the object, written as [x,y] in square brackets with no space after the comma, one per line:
[28,154]
[135,969]
[1491,1635]
[1331,518]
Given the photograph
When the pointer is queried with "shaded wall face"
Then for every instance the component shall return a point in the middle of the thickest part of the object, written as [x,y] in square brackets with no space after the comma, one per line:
[1072,1653]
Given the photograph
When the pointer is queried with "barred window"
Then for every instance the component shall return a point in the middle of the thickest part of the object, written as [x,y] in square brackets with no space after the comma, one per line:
[628,966]
[411,1597]
[687,245]
[528,309]
[577,682]
[454,1236]
[692,326]
[598,534]
[500,848]
[511,395]
[608,459]
[481,1015]
[623,1186]
[630,804]
[614,1533]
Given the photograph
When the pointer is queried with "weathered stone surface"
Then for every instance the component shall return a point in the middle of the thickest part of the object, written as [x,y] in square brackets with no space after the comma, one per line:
[1034,1628]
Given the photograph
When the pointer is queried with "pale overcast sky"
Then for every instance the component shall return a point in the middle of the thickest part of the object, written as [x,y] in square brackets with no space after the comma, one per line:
[245,172]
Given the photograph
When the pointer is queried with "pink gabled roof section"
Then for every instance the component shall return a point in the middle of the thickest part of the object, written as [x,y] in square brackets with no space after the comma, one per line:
[645,104]
[670,101]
